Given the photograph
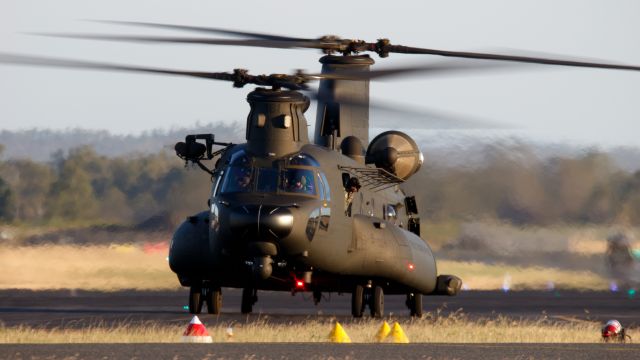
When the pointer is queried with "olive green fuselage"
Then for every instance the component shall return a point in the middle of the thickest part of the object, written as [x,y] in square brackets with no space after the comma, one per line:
[317,237]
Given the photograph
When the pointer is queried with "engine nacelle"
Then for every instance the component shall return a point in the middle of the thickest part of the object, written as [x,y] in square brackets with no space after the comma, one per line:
[395,152]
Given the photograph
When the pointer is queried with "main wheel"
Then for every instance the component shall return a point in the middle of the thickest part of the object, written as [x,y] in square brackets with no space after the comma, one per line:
[195,299]
[214,300]
[377,302]
[248,299]
[416,305]
[357,301]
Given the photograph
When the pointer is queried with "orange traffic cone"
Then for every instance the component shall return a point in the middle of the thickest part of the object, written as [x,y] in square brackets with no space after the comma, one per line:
[196,332]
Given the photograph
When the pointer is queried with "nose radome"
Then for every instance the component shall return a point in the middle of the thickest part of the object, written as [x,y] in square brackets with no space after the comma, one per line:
[261,222]
[277,221]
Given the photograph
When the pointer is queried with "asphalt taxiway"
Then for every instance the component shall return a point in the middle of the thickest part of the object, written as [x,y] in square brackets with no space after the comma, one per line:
[321,351]
[78,308]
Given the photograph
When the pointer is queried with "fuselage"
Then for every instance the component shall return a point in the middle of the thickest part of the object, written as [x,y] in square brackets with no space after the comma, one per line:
[268,226]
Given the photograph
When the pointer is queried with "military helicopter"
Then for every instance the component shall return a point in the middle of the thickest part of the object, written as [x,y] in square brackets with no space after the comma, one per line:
[288,214]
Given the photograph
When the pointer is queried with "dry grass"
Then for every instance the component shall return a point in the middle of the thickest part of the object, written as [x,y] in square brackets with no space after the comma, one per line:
[481,276]
[454,328]
[90,268]
[110,268]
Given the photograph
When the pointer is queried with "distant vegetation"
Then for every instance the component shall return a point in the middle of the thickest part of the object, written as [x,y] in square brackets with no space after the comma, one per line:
[510,183]
[82,187]
[515,186]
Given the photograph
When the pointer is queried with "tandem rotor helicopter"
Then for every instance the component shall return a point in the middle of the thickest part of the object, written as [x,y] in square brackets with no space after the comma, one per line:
[289,214]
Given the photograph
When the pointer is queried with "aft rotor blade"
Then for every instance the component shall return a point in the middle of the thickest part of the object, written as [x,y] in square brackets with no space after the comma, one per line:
[209,30]
[511,58]
[277,44]
[405,116]
[397,115]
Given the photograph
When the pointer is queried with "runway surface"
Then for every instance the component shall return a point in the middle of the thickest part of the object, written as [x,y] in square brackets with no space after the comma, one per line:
[321,351]
[79,308]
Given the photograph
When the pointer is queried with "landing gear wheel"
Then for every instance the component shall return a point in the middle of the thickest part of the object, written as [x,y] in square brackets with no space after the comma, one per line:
[214,300]
[317,296]
[377,302]
[357,301]
[414,302]
[195,299]
[249,298]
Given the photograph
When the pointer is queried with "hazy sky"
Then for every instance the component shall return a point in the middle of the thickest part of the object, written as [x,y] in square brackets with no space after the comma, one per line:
[560,104]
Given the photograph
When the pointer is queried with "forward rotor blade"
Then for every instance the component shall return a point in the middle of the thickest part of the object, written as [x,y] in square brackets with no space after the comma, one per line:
[277,44]
[239,77]
[448,67]
[512,58]
[27,60]
[209,30]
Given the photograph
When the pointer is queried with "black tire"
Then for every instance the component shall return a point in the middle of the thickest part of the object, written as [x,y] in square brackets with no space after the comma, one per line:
[357,301]
[377,302]
[317,296]
[248,299]
[416,305]
[195,300]
[214,300]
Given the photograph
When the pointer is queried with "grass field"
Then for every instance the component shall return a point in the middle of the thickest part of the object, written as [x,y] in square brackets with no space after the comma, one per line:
[455,328]
[119,267]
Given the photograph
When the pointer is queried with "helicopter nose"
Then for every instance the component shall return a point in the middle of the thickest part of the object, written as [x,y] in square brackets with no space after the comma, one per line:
[261,222]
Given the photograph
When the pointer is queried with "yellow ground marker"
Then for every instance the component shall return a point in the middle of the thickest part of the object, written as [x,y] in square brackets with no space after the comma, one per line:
[383,332]
[397,336]
[338,335]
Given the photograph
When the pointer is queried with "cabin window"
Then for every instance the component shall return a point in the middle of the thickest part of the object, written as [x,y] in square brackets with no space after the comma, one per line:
[390,213]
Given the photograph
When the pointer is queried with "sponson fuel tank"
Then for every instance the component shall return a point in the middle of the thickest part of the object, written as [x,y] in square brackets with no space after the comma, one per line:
[190,254]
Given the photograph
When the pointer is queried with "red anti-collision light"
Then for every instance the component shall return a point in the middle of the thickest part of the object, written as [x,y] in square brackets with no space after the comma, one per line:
[299,284]
[410,266]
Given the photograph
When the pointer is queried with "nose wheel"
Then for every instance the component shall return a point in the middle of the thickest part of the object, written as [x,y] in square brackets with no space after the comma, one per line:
[213,298]
[249,298]
[195,299]
[198,295]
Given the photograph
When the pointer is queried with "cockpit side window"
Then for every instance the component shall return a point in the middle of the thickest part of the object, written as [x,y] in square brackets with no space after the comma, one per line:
[239,176]
[326,186]
[321,188]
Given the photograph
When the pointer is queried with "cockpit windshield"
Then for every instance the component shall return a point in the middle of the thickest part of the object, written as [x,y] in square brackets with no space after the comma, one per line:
[295,175]
[297,181]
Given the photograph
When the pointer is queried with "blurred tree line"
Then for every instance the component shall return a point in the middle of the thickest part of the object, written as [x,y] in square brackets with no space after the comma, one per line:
[81,186]
[514,185]
[511,184]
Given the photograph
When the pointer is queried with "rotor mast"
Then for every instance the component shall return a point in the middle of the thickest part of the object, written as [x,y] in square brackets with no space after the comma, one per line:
[343,105]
